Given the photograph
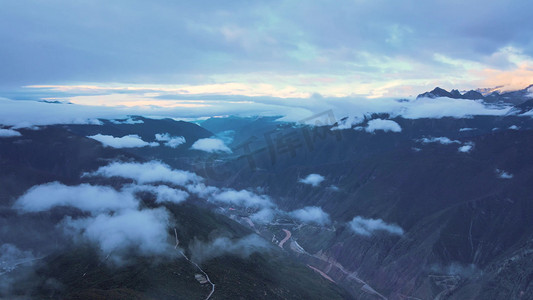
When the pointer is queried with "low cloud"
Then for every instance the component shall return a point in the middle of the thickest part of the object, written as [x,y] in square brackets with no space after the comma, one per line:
[170,141]
[440,140]
[4,133]
[347,123]
[163,193]
[142,231]
[128,121]
[264,216]
[503,174]
[368,227]
[149,172]
[244,247]
[86,197]
[312,179]
[211,145]
[242,198]
[311,214]
[128,141]
[383,125]
[467,147]
[514,127]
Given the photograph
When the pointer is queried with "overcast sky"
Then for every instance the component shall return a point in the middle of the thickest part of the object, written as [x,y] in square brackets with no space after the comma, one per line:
[280,48]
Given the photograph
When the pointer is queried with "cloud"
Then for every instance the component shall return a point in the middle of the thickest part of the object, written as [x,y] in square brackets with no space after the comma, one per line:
[149,172]
[467,147]
[263,216]
[142,231]
[514,127]
[311,214]
[440,140]
[313,179]
[170,141]
[503,174]
[163,193]
[128,141]
[368,227]
[466,129]
[384,125]
[90,198]
[128,121]
[243,247]
[347,123]
[8,133]
[210,145]
[242,198]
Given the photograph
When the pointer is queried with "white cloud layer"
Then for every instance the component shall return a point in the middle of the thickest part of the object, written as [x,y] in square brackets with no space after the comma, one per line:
[170,141]
[211,145]
[383,125]
[311,214]
[128,141]
[312,179]
[367,227]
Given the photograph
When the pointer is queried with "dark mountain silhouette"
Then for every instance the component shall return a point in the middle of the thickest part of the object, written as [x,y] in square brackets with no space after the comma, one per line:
[513,97]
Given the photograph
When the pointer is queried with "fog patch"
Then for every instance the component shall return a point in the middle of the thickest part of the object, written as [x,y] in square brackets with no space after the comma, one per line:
[456,269]
[127,141]
[221,246]
[311,214]
[263,216]
[368,227]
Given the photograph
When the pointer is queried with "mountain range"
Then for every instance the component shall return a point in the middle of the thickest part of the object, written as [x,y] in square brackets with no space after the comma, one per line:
[379,207]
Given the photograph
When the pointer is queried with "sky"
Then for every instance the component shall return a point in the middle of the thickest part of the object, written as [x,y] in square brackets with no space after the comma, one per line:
[133,53]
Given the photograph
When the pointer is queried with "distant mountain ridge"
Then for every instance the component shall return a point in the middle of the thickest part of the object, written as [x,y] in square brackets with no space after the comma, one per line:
[513,97]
